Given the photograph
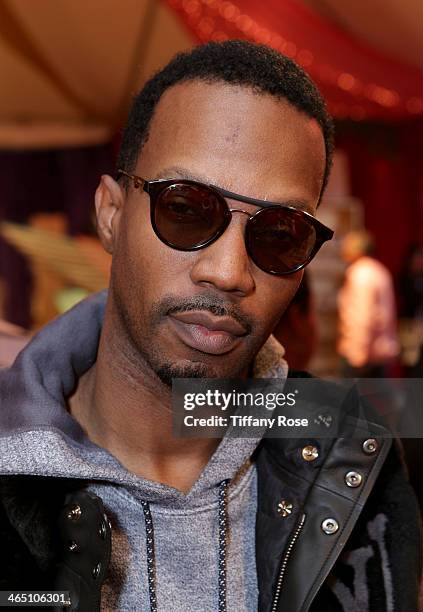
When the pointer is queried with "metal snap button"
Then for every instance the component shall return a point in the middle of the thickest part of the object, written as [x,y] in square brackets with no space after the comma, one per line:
[330,526]
[74,514]
[96,570]
[102,531]
[353,479]
[370,446]
[284,508]
[73,546]
[310,452]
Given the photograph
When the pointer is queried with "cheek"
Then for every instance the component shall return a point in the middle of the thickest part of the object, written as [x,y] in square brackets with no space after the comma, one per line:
[132,258]
[275,295]
[147,267]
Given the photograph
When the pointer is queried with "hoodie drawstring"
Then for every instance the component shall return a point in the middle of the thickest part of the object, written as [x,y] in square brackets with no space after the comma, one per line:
[151,564]
[223,532]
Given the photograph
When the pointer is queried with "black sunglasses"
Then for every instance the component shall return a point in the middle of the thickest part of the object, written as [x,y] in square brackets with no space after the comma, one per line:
[188,215]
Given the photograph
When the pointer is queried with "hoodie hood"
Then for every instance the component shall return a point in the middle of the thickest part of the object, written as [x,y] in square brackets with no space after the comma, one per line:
[39,436]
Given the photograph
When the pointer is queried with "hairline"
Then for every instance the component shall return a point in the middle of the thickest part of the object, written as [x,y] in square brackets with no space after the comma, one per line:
[212,79]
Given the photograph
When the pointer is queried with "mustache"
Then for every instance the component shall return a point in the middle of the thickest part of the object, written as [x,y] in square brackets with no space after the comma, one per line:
[216,305]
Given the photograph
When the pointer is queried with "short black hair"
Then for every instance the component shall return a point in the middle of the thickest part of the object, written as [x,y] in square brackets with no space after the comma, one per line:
[237,62]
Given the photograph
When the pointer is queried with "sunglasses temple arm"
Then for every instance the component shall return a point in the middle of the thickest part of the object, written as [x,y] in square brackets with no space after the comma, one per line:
[138,181]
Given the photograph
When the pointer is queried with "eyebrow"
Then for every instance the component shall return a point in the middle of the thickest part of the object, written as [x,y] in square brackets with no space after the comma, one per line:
[184,173]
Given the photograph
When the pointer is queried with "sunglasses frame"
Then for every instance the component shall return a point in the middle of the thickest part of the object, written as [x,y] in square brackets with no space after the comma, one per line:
[155,187]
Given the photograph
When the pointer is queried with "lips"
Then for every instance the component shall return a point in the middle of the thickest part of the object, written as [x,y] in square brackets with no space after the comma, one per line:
[211,322]
[207,333]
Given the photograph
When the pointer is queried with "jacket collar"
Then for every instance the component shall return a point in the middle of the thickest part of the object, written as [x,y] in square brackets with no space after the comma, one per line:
[309,507]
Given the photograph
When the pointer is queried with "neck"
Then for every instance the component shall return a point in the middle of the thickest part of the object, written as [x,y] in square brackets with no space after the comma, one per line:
[123,407]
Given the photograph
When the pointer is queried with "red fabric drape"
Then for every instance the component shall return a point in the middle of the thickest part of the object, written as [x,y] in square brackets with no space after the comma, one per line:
[357,81]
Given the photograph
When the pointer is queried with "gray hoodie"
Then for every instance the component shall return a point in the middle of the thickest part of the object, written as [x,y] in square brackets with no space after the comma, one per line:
[39,436]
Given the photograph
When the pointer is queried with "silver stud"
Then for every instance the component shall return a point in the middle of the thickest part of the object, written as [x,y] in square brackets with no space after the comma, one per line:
[74,513]
[102,530]
[73,546]
[284,508]
[310,453]
[370,446]
[96,570]
[330,526]
[353,479]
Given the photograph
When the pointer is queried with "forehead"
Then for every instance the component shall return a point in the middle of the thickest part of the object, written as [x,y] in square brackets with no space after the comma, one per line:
[246,141]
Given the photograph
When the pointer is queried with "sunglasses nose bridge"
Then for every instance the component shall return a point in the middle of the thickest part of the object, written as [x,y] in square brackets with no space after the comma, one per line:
[240,210]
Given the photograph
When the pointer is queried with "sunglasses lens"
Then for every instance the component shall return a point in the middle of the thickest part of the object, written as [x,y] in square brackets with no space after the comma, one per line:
[188,216]
[280,240]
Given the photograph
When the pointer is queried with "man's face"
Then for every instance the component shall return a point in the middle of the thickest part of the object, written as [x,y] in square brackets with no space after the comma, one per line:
[168,301]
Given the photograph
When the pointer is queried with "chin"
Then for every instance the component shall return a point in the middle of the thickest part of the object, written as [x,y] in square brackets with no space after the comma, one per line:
[187,369]
[196,369]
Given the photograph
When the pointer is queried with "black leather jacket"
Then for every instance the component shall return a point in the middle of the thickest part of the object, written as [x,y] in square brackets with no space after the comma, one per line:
[340,532]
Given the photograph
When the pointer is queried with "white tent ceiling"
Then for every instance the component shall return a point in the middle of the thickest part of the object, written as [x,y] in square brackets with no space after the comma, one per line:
[69,68]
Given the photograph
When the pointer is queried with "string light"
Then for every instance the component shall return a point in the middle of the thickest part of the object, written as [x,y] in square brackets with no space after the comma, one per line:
[201,14]
[346,81]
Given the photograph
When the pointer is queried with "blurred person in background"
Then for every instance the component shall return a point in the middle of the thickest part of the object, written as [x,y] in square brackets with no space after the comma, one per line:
[367,338]
[412,284]
[411,292]
[297,328]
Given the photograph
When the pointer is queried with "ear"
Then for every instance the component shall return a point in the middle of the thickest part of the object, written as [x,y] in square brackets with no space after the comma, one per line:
[109,200]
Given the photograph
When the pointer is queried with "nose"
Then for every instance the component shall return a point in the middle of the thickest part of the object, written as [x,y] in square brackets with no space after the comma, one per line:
[225,264]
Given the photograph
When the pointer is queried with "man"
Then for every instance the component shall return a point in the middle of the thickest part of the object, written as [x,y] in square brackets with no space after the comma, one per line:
[195,291]
[367,315]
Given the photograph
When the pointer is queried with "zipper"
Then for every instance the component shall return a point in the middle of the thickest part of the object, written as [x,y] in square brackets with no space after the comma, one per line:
[285,562]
